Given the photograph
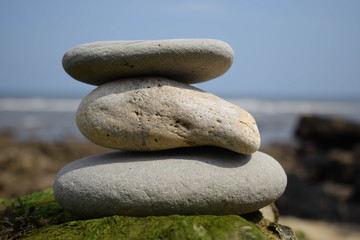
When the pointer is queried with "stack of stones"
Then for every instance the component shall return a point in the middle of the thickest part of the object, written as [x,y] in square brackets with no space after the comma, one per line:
[186,151]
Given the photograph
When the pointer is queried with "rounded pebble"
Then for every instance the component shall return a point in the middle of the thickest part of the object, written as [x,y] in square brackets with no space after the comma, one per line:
[150,114]
[187,181]
[185,60]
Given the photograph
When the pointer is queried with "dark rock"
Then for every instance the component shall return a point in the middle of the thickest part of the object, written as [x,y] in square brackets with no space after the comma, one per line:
[307,200]
[328,132]
[323,169]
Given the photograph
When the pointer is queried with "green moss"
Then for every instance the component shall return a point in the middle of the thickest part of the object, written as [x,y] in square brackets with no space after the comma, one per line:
[40,203]
[4,202]
[168,227]
[38,216]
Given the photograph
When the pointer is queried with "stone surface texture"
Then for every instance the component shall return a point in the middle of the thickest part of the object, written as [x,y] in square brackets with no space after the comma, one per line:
[187,181]
[148,114]
[186,60]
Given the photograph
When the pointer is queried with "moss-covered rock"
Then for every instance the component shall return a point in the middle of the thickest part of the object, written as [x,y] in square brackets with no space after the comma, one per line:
[39,216]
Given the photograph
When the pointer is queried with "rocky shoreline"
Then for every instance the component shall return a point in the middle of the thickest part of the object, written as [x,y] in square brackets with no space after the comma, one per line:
[323,169]
[29,166]
[323,183]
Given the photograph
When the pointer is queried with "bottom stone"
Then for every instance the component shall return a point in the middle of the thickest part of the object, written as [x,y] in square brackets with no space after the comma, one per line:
[187,181]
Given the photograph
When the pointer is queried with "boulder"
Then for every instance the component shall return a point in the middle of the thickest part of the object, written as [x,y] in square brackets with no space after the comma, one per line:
[328,132]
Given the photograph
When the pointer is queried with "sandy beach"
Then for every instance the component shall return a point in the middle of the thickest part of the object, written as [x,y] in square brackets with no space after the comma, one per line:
[321,230]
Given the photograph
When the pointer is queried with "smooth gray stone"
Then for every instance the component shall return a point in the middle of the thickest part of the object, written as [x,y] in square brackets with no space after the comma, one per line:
[149,114]
[186,181]
[185,60]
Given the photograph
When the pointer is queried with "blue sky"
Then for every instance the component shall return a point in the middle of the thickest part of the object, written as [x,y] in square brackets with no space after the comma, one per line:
[286,49]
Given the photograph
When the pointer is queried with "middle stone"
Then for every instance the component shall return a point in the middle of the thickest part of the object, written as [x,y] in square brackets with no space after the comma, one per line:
[149,114]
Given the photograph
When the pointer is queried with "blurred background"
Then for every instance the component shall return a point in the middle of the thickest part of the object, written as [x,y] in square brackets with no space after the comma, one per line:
[296,70]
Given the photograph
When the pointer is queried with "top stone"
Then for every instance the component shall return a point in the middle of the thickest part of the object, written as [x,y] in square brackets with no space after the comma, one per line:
[184,60]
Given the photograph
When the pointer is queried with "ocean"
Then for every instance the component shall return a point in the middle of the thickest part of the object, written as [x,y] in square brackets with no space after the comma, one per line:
[50,119]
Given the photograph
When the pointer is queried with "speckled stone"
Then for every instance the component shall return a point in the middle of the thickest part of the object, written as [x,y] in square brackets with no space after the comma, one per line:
[185,60]
[150,114]
[180,181]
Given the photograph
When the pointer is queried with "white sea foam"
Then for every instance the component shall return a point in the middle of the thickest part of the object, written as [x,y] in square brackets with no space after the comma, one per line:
[48,118]
[252,105]
[298,106]
[39,104]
